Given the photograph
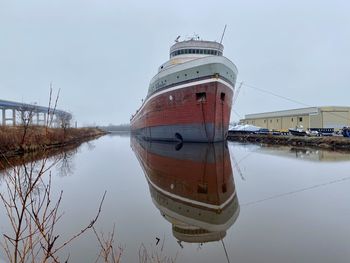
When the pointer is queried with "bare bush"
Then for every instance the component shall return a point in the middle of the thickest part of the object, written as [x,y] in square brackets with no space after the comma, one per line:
[154,255]
[109,252]
[33,215]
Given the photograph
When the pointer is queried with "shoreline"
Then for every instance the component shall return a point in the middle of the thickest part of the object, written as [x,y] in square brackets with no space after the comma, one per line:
[41,139]
[327,143]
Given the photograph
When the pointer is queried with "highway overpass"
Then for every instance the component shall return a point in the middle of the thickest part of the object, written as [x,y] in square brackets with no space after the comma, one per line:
[18,113]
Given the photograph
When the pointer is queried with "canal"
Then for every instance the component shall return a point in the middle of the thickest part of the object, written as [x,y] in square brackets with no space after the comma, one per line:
[229,202]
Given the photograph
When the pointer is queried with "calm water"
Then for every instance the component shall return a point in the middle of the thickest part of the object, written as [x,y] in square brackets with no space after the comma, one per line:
[257,204]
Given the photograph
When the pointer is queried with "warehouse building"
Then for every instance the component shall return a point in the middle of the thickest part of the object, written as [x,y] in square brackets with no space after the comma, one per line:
[313,117]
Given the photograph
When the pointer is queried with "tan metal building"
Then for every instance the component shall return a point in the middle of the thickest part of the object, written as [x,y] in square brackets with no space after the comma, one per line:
[313,117]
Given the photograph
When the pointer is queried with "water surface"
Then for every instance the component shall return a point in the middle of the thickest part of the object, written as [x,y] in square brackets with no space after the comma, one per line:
[207,203]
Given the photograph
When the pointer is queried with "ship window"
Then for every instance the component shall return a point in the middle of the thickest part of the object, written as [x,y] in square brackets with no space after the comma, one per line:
[197,51]
[300,118]
[201,51]
[201,96]
[222,96]
[197,72]
[292,119]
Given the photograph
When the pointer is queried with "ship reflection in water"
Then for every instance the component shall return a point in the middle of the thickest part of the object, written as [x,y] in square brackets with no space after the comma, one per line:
[192,186]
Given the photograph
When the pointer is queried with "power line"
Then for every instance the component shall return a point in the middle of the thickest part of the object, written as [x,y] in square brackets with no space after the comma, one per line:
[275,94]
[296,191]
[237,114]
[288,99]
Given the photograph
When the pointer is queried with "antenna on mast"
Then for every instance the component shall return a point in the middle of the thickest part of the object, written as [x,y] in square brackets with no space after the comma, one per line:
[223,33]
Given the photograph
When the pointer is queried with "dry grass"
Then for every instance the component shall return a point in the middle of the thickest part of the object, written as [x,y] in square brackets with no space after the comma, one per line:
[11,138]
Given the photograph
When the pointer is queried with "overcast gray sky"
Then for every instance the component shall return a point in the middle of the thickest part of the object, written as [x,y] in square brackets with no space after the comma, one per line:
[103,53]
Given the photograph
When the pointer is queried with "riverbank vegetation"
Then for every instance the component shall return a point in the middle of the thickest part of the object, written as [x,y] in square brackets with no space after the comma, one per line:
[18,140]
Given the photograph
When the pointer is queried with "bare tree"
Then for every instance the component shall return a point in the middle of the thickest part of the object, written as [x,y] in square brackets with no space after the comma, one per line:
[64,120]
[26,113]
[51,110]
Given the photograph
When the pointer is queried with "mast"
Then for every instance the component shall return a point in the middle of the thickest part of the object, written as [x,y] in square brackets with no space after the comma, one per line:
[223,33]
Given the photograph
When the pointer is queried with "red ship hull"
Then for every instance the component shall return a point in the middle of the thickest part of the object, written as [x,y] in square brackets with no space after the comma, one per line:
[195,112]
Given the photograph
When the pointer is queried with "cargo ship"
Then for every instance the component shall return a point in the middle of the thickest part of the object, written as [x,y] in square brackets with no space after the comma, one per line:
[190,97]
[192,186]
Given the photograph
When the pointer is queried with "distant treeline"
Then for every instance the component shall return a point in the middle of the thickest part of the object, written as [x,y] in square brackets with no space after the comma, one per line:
[116,128]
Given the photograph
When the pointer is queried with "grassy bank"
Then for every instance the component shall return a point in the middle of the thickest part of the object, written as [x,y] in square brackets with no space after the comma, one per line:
[19,140]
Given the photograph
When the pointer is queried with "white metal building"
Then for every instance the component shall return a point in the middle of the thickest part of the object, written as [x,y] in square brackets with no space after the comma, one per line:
[313,117]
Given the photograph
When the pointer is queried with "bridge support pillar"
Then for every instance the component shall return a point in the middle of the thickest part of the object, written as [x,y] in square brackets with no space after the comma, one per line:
[14,117]
[22,118]
[3,117]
